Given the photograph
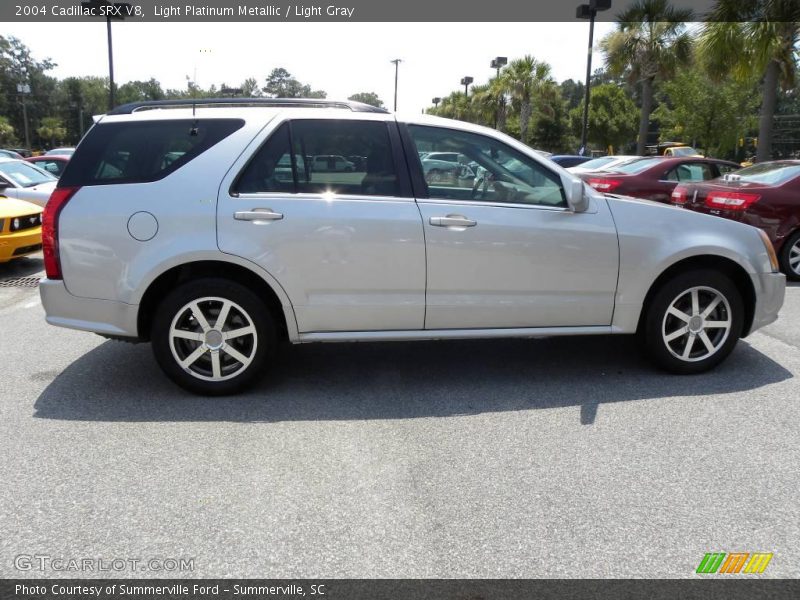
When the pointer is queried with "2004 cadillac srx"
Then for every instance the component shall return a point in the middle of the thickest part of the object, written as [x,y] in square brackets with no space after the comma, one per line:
[207,230]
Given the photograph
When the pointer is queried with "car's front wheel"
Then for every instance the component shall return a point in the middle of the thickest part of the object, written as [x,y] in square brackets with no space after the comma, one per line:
[212,336]
[693,321]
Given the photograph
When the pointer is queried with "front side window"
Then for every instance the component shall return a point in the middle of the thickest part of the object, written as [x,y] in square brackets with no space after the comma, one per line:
[490,170]
[323,156]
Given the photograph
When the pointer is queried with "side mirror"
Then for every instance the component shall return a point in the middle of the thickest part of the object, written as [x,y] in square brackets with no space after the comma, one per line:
[577,199]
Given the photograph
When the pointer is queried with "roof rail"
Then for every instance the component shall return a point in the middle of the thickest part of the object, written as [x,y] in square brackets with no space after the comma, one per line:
[133,107]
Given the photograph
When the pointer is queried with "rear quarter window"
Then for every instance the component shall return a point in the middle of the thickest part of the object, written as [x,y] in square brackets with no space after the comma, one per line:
[142,151]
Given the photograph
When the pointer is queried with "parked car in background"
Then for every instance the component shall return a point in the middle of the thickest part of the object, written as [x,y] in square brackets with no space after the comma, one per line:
[10,154]
[215,285]
[52,164]
[569,160]
[672,149]
[766,195]
[24,181]
[331,163]
[60,152]
[23,152]
[654,178]
[20,228]
[439,167]
[602,163]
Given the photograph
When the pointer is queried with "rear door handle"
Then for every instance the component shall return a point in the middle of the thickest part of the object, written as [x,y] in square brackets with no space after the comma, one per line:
[257,214]
[452,221]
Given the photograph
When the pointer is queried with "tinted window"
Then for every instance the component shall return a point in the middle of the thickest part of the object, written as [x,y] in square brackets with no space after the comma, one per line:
[270,170]
[51,166]
[329,142]
[139,151]
[494,172]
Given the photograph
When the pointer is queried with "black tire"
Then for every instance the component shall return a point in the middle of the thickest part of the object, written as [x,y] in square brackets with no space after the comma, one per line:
[786,252]
[657,324]
[229,375]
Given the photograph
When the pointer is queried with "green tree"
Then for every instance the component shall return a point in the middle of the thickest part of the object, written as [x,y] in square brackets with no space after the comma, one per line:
[281,84]
[250,88]
[370,98]
[522,78]
[7,136]
[140,91]
[758,38]
[612,117]
[51,129]
[704,113]
[650,42]
[486,104]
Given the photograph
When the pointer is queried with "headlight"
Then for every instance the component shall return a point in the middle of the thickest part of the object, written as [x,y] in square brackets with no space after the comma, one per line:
[773,258]
[26,222]
[15,224]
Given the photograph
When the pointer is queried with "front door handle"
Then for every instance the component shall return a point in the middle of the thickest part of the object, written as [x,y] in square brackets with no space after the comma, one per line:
[452,221]
[257,214]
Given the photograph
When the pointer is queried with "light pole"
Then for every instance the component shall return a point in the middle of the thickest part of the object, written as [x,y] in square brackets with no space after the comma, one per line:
[589,11]
[498,63]
[109,10]
[465,81]
[396,62]
[23,89]
[436,101]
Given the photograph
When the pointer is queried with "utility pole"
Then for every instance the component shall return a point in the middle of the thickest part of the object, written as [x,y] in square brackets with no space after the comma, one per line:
[23,89]
[589,11]
[396,62]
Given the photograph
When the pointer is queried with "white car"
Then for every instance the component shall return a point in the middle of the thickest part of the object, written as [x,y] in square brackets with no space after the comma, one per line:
[214,259]
[602,163]
[22,180]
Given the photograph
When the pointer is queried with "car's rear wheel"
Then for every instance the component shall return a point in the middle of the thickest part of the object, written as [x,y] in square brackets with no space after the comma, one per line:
[693,321]
[212,336]
[790,257]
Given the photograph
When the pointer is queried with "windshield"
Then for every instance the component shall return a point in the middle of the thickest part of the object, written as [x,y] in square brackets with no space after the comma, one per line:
[684,151]
[596,163]
[772,173]
[637,166]
[22,174]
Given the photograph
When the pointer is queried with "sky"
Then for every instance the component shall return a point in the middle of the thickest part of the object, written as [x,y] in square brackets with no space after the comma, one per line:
[340,58]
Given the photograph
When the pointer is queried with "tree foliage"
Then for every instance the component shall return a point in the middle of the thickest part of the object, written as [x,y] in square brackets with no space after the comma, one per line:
[370,98]
[612,117]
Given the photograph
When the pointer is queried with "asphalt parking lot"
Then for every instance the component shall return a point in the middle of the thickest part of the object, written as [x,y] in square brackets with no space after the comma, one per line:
[564,457]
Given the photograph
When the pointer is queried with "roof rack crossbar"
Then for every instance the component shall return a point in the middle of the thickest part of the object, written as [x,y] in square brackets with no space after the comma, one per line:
[133,107]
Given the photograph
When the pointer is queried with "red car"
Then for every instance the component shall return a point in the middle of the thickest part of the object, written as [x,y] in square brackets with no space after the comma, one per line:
[766,195]
[52,164]
[654,178]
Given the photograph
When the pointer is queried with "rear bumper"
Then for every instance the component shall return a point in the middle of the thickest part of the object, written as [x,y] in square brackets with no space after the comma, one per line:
[87,314]
[769,299]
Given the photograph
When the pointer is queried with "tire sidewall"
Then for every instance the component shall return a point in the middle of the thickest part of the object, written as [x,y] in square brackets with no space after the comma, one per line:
[182,295]
[652,331]
[784,258]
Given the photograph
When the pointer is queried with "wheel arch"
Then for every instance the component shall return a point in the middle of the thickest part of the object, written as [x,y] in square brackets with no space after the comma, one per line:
[280,309]
[731,268]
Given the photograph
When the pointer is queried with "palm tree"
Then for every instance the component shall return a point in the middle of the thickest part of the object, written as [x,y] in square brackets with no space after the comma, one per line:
[523,78]
[484,102]
[755,39]
[650,42]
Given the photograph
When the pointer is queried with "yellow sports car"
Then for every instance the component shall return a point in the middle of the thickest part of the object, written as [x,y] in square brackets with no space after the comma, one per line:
[20,228]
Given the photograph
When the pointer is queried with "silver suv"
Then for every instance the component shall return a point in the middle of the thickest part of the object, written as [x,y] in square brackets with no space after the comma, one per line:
[205,230]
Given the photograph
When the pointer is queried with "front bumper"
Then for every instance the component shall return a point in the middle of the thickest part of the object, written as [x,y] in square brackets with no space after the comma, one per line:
[105,317]
[14,245]
[771,290]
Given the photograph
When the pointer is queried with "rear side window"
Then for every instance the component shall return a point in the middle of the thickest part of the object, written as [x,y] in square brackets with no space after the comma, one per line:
[142,151]
[324,156]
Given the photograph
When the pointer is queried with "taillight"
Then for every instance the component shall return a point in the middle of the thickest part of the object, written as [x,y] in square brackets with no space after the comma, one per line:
[731,200]
[58,199]
[680,195]
[604,185]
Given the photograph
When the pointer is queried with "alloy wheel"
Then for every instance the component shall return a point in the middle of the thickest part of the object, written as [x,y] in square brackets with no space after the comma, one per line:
[696,324]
